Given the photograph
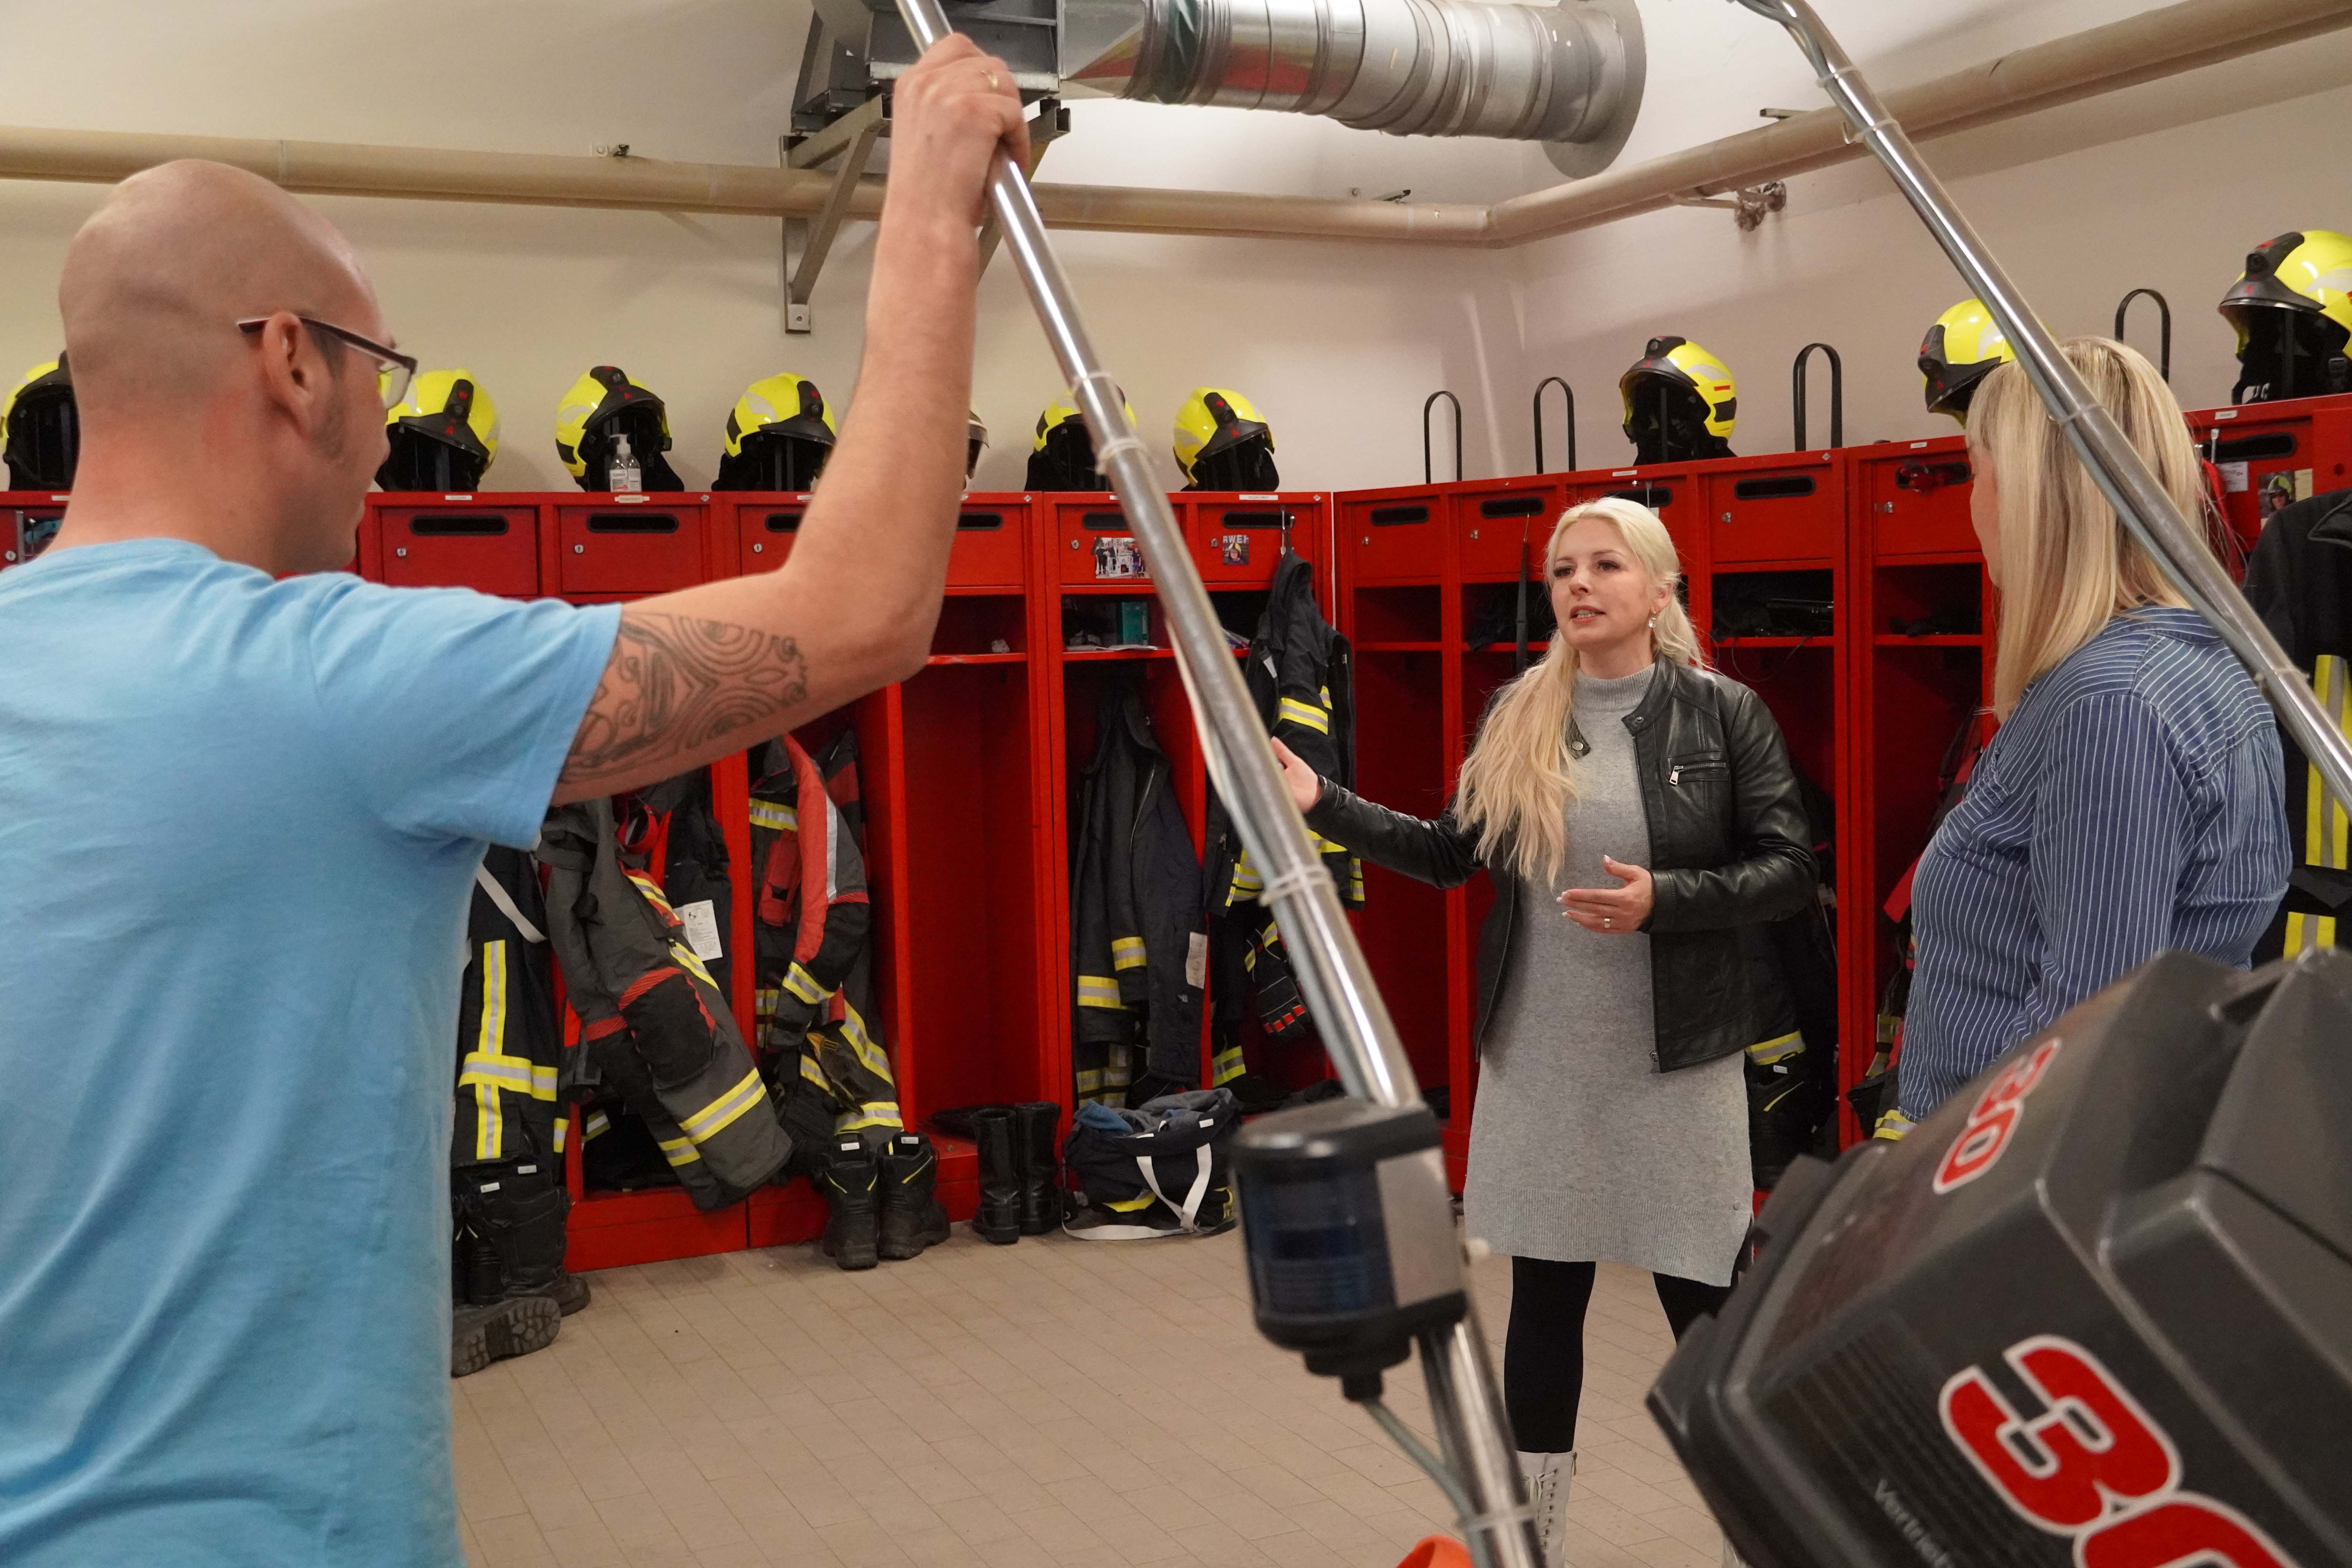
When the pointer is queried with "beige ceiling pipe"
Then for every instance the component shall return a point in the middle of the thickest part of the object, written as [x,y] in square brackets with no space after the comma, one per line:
[532,179]
[2083,64]
[2142,48]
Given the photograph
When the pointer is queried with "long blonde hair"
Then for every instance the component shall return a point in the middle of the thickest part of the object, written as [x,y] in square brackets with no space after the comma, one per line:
[1518,779]
[2068,563]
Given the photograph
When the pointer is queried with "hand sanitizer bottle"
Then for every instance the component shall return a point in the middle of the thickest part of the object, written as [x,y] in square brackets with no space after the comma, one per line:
[623,473]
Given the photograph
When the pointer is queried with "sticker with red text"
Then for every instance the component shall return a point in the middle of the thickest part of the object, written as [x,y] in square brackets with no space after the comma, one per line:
[1993,1119]
[2094,1466]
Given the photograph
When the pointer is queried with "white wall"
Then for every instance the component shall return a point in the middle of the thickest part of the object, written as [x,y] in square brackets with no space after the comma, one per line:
[1338,344]
[2147,187]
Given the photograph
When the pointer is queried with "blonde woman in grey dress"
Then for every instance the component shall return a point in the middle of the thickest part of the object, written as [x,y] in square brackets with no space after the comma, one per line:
[1643,825]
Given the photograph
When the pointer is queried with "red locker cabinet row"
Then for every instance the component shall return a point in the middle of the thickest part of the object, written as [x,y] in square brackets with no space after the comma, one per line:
[1427,584]
[967,766]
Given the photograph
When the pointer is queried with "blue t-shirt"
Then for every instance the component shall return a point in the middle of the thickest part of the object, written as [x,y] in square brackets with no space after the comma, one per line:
[2132,803]
[238,821]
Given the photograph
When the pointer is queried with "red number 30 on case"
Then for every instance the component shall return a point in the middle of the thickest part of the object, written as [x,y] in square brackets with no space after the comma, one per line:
[1992,1119]
[2094,1466]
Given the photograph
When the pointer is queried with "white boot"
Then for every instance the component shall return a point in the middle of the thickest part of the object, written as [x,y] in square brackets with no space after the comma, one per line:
[1548,1476]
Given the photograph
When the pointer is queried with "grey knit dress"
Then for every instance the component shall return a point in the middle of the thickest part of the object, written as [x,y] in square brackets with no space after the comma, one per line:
[1580,1150]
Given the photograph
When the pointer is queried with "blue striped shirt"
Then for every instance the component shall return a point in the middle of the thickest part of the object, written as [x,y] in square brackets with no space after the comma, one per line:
[2134,802]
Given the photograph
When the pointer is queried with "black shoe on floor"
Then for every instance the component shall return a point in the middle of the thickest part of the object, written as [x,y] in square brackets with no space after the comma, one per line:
[480,1335]
[849,1177]
[1037,1154]
[999,1219]
[912,1216]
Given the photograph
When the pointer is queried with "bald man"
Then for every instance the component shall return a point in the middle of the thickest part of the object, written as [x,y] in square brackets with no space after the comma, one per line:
[239,818]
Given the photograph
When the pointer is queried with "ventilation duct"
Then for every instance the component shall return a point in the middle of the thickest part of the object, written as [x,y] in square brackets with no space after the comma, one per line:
[1567,74]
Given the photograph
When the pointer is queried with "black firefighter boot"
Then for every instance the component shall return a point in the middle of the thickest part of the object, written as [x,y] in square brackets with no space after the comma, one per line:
[848,1174]
[999,1219]
[515,1215]
[912,1216]
[1035,1153]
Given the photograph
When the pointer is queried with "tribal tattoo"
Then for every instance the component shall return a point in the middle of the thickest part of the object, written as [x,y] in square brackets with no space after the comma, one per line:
[676,683]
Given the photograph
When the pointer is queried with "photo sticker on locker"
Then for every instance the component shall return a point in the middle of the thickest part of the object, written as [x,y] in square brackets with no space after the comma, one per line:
[1232,549]
[1117,558]
[2283,490]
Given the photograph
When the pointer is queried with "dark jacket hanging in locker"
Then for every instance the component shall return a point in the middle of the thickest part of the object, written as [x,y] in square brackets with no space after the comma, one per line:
[814,956]
[1301,675]
[672,826]
[509,1045]
[653,1026]
[1139,953]
[2299,581]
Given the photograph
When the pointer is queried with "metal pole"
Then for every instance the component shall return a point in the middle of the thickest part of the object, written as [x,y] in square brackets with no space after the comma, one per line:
[2090,429]
[1347,1007]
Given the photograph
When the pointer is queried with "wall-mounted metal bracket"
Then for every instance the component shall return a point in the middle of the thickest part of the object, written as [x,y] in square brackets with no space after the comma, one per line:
[847,143]
[1748,206]
[1051,124]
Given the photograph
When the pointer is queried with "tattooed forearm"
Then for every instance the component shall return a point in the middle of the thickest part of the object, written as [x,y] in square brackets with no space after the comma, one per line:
[676,684]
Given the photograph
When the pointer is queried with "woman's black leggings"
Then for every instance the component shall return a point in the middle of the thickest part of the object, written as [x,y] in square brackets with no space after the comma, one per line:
[1543,1354]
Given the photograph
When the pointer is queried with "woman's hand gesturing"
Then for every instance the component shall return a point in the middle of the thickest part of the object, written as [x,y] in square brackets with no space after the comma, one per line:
[1306,785]
[1612,912]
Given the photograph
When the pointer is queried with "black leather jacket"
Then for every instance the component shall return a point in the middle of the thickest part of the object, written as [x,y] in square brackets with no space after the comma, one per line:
[1727,852]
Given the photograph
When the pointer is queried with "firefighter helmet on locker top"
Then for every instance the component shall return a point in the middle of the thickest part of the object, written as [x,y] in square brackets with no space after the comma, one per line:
[1681,403]
[603,404]
[2293,311]
[441,436]
[1062,458]
[1964,346]
[1222,444]
[779,435]
[42,430]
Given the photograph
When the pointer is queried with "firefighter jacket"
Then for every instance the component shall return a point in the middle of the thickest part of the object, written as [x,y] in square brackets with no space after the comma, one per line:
[813,921]
[2300,582]
[1301,676]
[652,1024]
[1138,950]
[509,1045]
[672,824]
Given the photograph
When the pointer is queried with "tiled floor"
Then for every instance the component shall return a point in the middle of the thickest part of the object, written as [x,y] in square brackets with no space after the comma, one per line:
[1052,1405]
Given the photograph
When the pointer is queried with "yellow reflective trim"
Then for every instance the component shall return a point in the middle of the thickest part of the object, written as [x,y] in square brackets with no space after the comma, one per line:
[1226,1066]
[679,1151]
[814,1073]
[1325,847]
[563,1126]
[725,1111]
[872,1113]
[597,1125]
[1765,1053]
[1099,991]
[1128,1206]
[1126,952]
[691,964]
[777,818]
[654,894]
[852,1029]
[2323,931]
[1892,1126]
[803,985]
[490,1133]
[1306,714]
[500,1072]
[1090,1079]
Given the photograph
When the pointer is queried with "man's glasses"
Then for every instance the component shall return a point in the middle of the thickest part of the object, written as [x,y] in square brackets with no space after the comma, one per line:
[393,369]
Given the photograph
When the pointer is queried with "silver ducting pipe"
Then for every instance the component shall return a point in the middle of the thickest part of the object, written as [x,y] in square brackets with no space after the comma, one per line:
[1568,75]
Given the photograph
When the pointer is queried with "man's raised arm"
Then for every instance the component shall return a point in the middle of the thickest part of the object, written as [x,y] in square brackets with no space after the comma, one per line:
[699,673]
